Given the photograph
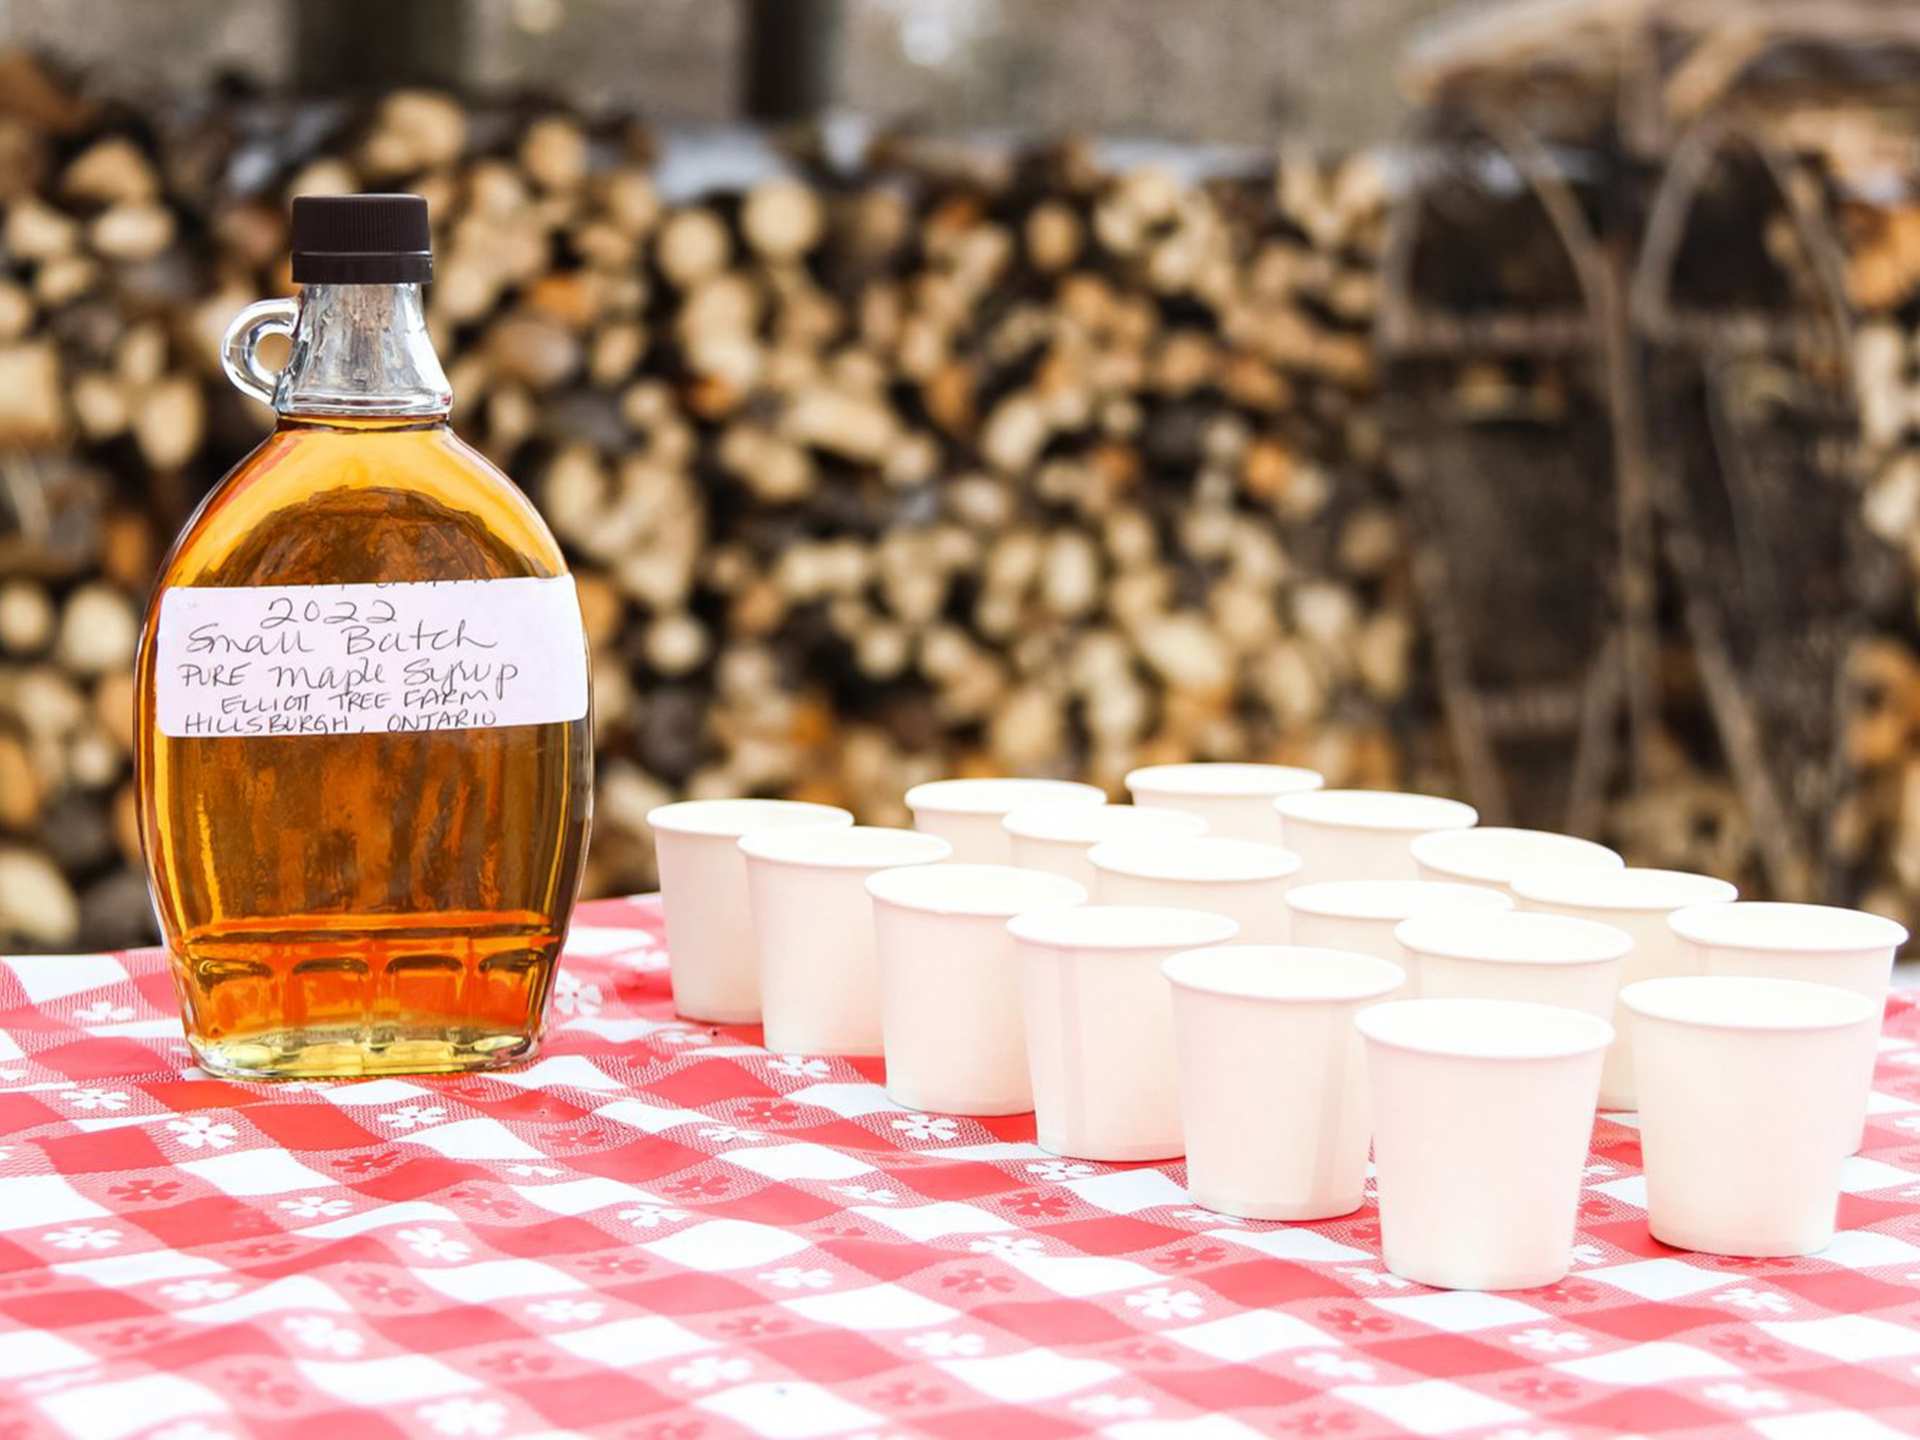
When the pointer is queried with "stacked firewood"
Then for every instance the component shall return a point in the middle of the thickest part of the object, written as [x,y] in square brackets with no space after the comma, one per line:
[1877,205]
[102,414]
[954,463]
[1017,468]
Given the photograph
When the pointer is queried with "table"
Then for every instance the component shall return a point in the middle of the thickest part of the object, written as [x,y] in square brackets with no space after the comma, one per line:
[661,1231]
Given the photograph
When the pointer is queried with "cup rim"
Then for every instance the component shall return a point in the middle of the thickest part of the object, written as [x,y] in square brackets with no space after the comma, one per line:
[1797,1005]
[844,847]
[1397,811]
[1188,970]
[1527,1030]
[1203,859]
[1500,937]
[1638,888]
[1391,899]
[1071,823]
[897,887]
[1769,925]
[710,817]
[1474,854]
[1223,779]
[997,794]
[1122,927]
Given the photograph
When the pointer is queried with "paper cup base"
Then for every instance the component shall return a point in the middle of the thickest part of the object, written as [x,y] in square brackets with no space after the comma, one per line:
[1328,1210]
[1749,1249]
[1069,1150]
[1468,1277]
[717,1015]
[778,1044]
[907,1099]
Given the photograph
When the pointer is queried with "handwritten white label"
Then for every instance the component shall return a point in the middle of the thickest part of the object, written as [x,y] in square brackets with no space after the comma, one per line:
[274,660]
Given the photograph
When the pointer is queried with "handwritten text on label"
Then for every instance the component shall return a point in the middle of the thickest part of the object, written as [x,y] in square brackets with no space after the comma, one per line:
[357,659]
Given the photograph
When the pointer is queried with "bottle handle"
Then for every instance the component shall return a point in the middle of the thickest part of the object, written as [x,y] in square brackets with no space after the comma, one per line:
[240,350]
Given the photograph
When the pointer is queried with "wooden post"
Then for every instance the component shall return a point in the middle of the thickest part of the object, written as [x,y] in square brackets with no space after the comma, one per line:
[346,46]
[790,58]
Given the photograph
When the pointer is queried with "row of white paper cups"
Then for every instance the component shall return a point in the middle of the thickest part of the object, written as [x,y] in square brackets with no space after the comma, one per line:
[993,988]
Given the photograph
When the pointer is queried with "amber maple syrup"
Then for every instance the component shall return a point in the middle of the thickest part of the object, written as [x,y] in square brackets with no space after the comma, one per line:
[364,757]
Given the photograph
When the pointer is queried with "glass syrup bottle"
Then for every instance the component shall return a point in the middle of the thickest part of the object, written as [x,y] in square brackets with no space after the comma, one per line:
[364,759]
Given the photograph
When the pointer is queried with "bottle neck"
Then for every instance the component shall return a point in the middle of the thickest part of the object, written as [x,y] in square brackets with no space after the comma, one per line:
[362,350]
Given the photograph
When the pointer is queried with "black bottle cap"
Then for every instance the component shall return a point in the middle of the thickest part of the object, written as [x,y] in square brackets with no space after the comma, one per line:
[361,240]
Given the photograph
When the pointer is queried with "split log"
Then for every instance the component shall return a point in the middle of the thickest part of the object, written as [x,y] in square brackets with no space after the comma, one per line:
[37,905]
[32,410]
[782,219]
[27,618]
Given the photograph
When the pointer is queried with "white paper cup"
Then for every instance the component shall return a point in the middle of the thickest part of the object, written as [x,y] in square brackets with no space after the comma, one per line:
[950,1007]
[1241,879]
[1821,944]
[1513,955]
[1100,1025]
[1361,915]
[1748,1099]
[1490,854]
[715,969]
[967,813]
[1363,834]
[1057,837]
[1637,901]
[813,929]
[1273,1076]
[1235,800]
[1482,1114]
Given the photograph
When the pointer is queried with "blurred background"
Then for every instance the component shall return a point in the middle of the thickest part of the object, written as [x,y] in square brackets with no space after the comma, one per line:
[1514,401]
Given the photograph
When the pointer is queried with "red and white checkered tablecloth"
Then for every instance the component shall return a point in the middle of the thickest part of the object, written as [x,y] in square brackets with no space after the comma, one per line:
[663,1232]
